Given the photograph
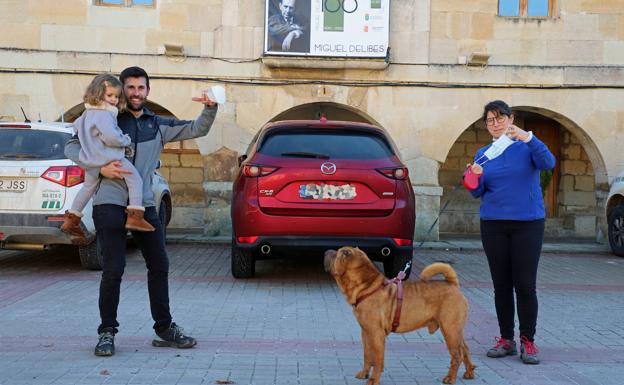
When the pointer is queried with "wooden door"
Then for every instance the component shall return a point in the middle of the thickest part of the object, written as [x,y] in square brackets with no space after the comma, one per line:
[549,132]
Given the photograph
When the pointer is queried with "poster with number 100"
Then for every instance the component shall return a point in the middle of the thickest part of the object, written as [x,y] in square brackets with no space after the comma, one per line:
[334,28]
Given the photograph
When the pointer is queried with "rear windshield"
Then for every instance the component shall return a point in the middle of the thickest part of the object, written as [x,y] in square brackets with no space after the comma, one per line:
[32,144]
[324,144]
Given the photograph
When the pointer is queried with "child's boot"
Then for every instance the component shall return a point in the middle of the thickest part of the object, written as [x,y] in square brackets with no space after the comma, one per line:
[135,221]
[71,226]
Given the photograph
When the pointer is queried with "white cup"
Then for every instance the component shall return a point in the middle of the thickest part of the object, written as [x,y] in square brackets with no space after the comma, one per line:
[215,93]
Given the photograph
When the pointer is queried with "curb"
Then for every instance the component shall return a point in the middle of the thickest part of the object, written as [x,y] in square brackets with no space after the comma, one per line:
[458,245]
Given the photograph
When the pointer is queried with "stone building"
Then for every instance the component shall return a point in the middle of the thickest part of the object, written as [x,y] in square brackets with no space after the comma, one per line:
[558,63]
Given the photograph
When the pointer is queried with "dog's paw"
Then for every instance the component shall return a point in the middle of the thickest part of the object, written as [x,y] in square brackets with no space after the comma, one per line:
[362,374]
[448,380]
[469,374]
[371,381]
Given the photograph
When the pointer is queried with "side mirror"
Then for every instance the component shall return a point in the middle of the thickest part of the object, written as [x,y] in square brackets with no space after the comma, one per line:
[241,159]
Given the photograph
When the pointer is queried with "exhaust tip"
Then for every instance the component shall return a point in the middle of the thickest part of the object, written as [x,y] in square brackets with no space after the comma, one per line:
[385,251]
[265,249]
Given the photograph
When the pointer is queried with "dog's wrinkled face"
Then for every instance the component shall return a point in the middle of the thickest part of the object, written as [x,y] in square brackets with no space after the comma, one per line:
[346,259]
[336,262]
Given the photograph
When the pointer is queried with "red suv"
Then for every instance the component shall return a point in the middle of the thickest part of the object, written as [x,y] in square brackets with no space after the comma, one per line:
[313,185]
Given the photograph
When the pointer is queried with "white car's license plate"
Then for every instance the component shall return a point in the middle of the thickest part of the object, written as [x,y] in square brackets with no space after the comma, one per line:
[327,191]
[13,185]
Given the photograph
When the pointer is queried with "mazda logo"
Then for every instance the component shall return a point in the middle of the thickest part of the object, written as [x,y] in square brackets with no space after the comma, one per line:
[328,168]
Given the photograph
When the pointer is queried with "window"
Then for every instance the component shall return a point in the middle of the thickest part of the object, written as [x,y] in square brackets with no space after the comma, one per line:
[322,144]
[127,3]
[21,144]
[526,8]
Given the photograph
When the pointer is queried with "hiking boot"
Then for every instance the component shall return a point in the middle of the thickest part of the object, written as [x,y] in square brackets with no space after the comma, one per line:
[106,344]
[173,337]
[502,348]
[528,351]
[135,220]
[71,226]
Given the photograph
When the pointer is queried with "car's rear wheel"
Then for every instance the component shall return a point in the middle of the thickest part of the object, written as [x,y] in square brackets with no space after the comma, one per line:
[243,262]
[616,230]
[394,264]
[91,255]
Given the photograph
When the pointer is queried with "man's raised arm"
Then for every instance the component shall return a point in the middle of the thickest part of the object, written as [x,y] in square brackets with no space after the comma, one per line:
[174,130]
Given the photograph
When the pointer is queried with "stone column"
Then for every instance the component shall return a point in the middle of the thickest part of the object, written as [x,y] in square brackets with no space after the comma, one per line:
[427,192]
[219,172]
[427,213]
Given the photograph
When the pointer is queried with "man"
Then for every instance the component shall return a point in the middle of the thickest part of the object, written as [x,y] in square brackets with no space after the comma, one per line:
[149,133]
[286,31]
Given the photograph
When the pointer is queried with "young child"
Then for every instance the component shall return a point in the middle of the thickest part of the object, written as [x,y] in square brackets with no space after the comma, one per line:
[103,142]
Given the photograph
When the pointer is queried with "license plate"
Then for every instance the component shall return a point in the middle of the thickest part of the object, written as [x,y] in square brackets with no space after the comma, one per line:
[12,185]
[327,191]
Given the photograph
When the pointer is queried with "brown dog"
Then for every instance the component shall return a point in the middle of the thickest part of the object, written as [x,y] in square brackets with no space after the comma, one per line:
[435,304]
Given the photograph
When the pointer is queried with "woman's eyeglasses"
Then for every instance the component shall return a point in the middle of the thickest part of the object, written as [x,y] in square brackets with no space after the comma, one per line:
[499,119]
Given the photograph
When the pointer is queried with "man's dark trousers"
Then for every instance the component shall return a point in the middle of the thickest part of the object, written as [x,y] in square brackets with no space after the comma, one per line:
[110,223]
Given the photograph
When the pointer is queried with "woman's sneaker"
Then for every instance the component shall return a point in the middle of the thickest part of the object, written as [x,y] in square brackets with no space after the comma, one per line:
[503,348]
[173,337]
[528,351]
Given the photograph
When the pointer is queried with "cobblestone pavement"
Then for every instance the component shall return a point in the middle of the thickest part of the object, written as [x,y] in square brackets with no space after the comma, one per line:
[291,325]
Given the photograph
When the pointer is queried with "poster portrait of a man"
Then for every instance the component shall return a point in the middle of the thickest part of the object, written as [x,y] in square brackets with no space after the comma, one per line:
[288,26]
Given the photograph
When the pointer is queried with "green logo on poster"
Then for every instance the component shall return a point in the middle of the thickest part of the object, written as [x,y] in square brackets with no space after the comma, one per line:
[334,11]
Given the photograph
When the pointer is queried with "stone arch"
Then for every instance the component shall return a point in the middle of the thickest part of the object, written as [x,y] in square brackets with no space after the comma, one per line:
[331,110]
[581,182]
[588,143]
[77,110]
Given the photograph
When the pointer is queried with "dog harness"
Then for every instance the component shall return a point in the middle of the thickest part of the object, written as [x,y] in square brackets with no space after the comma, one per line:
[397,281]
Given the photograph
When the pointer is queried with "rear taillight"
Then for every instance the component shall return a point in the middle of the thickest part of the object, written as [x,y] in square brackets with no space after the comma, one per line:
[253,170]
[402,241]
[248,240]
[400,173]
[67,176]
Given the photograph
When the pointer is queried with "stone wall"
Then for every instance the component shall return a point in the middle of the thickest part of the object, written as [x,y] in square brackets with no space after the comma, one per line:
[577,189]
[184,170]
[579,33]
[425,99]
[461,214]
[200,188]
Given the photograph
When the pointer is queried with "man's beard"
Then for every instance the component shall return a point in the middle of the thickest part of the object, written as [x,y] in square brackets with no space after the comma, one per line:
[139,108]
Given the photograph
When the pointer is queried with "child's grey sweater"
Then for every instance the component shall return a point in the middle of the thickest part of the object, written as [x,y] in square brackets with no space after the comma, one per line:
[101,139]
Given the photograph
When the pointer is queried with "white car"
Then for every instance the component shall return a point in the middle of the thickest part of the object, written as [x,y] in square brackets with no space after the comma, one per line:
[38,183]
[615,215]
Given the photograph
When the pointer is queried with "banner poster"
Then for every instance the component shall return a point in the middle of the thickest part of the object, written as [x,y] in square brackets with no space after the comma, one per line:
[335,28]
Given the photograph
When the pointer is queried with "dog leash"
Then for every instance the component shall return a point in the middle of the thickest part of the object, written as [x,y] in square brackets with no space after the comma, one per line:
[398,280]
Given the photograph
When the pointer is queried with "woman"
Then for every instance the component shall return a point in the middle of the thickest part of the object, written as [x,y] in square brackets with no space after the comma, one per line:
[512,224]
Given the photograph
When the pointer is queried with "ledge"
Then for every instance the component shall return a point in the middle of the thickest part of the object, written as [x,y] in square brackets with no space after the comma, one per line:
[324,63]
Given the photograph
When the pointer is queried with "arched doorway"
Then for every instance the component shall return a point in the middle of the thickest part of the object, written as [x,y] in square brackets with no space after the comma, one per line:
[332,111]
[573,192]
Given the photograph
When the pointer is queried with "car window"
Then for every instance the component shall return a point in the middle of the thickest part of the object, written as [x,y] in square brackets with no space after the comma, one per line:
[32,144]
[326,144]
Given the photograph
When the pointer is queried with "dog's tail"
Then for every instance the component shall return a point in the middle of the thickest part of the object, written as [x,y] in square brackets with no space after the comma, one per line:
[440,268]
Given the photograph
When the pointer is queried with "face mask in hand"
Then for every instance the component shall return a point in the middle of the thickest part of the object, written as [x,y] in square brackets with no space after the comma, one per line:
[498,147]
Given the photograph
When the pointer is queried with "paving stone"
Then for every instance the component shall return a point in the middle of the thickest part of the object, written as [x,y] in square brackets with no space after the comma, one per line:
[291,325]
